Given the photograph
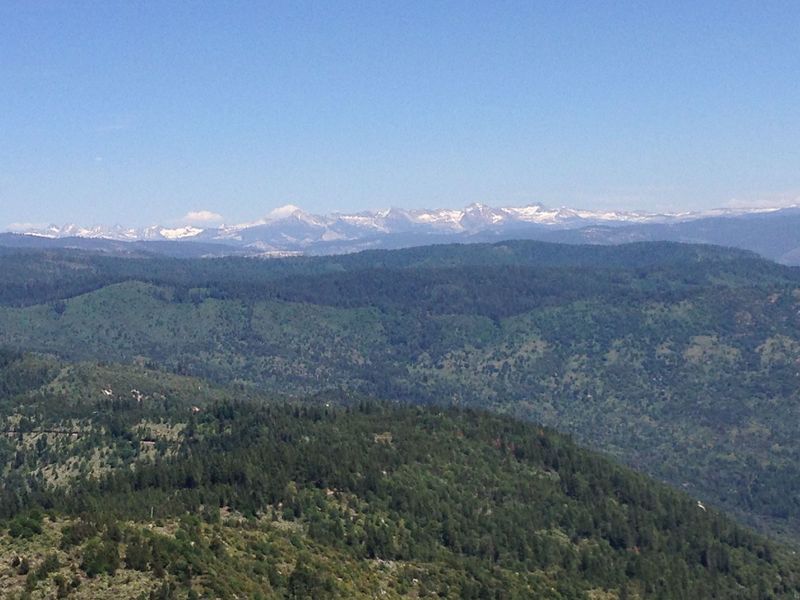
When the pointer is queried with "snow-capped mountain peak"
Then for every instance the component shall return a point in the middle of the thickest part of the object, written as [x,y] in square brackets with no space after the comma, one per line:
[290,229]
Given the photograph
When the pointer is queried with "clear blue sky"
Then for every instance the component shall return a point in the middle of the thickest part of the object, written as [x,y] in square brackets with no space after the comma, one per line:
[139,112]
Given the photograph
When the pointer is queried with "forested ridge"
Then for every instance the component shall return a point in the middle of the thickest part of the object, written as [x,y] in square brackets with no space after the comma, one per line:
[167,487]
[36,276]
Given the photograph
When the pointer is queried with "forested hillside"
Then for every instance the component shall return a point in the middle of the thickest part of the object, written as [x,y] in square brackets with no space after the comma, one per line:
[679,360]
[122,482]
[32,277]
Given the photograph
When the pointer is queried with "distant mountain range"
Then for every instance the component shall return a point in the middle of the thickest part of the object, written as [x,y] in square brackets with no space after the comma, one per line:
[288,230]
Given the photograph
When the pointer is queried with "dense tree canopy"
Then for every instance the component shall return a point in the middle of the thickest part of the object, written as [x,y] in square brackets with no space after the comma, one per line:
[166,485]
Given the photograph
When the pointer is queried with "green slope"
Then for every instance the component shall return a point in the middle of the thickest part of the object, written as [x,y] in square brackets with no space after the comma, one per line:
[271,500]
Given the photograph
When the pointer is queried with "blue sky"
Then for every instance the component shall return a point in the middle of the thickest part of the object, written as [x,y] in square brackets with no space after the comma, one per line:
[140,112]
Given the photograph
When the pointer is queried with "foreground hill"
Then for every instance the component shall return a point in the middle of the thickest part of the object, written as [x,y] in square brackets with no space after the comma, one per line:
[169,493]
[680,360]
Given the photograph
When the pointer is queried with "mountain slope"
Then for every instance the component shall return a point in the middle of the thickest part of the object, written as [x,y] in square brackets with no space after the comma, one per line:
[775,235]
[286,501]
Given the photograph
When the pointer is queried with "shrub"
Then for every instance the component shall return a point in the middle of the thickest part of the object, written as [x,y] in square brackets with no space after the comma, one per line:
[100,557]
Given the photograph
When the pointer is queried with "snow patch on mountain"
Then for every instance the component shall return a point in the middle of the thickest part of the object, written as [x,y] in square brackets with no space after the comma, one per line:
[180,233]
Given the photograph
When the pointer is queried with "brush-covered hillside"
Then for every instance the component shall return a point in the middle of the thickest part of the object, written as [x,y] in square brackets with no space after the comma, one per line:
[680,360]
[131,483]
